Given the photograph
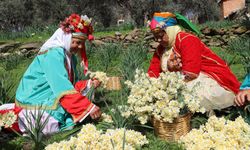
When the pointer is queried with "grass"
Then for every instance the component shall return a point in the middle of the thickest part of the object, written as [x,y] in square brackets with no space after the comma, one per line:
[39,33]
[109,33]
[13,75]
[226,24]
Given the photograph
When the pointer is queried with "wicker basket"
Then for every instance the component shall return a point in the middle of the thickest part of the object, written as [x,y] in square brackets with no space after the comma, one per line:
[172,131]
[114,83]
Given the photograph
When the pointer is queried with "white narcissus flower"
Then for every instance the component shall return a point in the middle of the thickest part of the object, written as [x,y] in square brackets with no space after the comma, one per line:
[102,140]
[218,133]
[163,97]
[7,119]
[106,118]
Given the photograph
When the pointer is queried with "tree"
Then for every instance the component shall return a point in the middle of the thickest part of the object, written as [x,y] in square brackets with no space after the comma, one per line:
[52,11]
[137,9]
[13,15]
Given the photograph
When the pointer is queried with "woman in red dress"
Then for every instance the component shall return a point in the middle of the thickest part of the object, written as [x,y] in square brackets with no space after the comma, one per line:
[185,52]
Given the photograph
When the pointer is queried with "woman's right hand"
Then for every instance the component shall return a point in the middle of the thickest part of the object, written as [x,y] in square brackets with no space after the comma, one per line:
[96,83]
[174,63]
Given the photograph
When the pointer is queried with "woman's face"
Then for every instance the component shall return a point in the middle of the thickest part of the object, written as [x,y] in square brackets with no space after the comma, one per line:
[161,37]
[76,44]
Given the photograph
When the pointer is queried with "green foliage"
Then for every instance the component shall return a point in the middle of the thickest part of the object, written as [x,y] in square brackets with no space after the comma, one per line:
[159,144]
[7,78]
[133,58]
[105,57]
[10,74]
[11,62]
[34,129]
[246,22]
[6,85]
[241,47]
[239,71]
[114,105]
[13,144]
[233,112]
[198,120]
[57,137]
[117,59]
[245,112]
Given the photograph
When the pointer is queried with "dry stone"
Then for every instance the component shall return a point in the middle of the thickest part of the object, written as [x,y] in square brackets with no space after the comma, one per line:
[154,44]
[30,46]
[240,30]
[9,47]
[118,34]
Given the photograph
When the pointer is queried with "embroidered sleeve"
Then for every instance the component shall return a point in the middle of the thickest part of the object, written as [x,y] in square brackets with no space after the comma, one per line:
[154,69]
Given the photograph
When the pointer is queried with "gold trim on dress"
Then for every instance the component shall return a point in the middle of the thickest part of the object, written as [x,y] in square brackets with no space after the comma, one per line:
[53,107]
[191,73]
[76,119]
[42,52]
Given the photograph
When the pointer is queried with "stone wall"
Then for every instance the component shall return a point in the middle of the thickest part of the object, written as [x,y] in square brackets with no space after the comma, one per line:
[211,37]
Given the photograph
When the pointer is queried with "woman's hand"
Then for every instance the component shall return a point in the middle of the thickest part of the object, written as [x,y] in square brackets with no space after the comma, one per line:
[95,113]
[174,63]
[242,97]
[96,83]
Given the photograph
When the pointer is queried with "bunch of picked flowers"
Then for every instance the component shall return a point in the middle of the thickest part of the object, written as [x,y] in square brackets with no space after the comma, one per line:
[165,98]
[90,138]
[7,119]
[219,133]
[101,76]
